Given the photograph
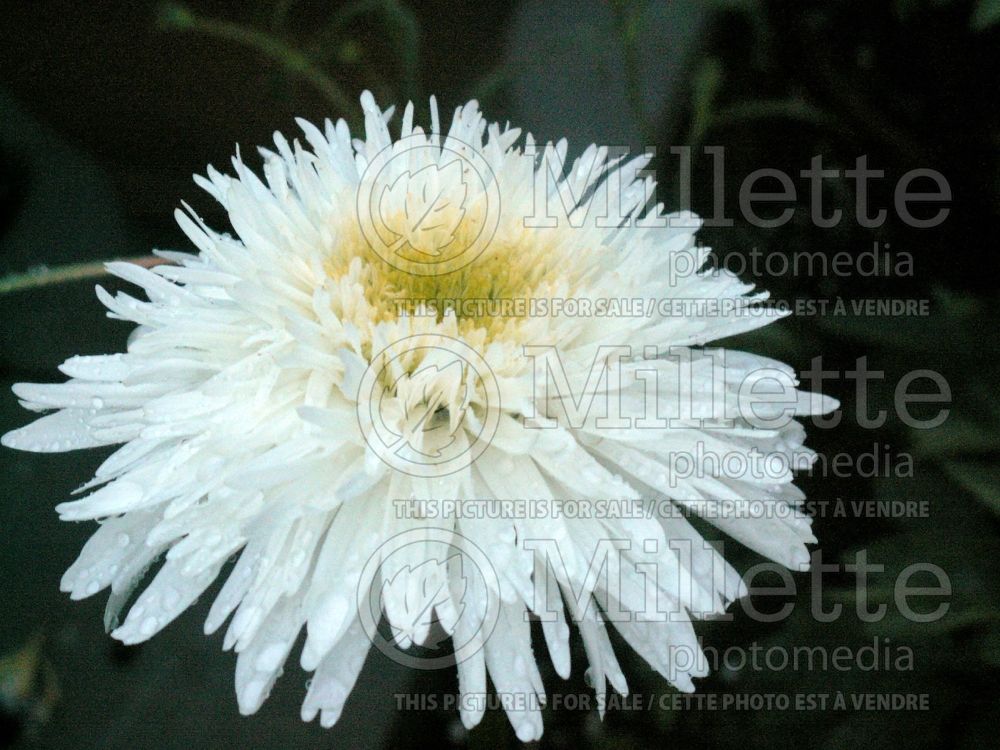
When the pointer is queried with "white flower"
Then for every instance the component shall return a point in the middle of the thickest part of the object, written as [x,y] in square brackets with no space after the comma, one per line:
[282,392]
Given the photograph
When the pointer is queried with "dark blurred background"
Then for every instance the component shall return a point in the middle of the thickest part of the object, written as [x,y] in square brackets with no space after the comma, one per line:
[107,109]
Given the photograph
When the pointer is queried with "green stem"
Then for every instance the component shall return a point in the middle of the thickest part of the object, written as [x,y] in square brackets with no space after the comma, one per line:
[403,27]
[407,33]
[765,109]
[973,618]
[852,98]
[44,276]
[293,60]
[627,15]
[280,14]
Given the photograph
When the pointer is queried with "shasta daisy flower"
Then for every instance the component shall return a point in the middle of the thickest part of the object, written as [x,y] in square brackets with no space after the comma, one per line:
[382,327]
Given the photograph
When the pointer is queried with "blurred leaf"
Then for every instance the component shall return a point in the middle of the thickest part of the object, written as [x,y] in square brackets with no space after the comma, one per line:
[349,52]
[28,684]
[990,647]
[492,82]
[979,478]
[743,6]
[707,84]
[628,21]
[18,670]
[401,29]
[986,13]
[953,330]
[958,436]
[177,17]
